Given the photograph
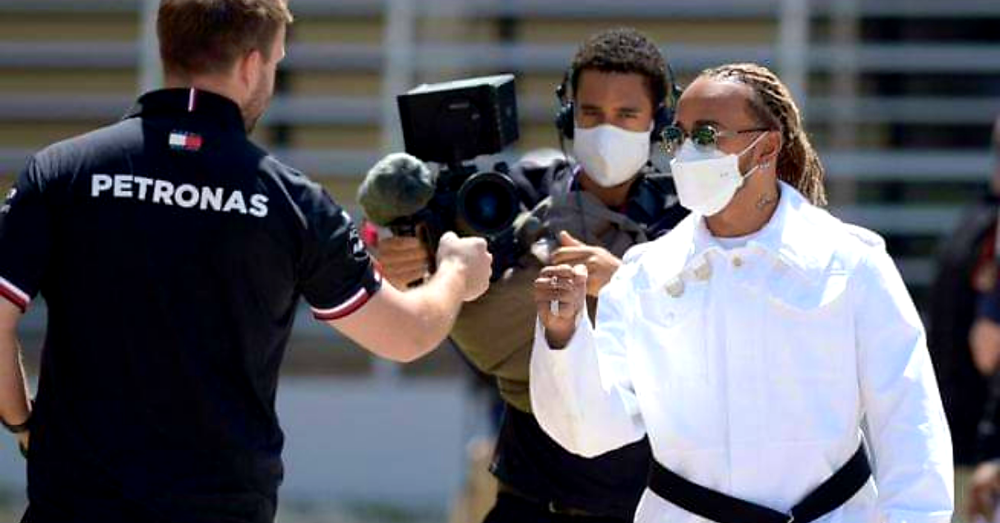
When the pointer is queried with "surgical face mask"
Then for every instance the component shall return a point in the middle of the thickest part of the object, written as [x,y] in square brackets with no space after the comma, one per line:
[610,155]
[707,178]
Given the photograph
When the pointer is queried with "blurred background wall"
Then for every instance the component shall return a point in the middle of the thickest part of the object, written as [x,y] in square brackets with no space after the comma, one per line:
[899,97]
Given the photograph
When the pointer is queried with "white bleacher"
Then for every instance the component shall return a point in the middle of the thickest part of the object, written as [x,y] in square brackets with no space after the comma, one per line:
[436,55]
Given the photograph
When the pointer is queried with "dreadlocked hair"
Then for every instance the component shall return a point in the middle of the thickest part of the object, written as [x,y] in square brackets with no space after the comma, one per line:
[772,103]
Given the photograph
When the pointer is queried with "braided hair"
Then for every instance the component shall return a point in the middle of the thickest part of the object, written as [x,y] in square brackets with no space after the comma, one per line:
[772,104]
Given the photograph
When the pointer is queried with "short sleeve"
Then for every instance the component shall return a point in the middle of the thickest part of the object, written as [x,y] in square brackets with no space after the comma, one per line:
[337,276]
[24,238]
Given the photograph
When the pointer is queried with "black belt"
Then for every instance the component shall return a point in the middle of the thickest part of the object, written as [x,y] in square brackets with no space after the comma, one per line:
[551,507]
[722,508]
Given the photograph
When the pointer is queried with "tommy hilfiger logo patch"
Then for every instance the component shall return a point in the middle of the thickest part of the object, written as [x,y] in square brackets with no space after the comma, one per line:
[185,141]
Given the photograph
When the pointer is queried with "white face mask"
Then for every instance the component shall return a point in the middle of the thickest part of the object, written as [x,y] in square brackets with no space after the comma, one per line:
[610,155]
[707,180]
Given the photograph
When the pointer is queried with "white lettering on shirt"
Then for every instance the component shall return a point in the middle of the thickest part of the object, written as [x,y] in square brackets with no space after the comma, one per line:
[100,183]
[123,186]
[211,197]
[236,202]
[186,196]
[162,192]
[144,184]
[258,205]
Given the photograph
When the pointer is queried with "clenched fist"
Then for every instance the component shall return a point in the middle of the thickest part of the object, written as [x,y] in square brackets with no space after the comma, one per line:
[471,257]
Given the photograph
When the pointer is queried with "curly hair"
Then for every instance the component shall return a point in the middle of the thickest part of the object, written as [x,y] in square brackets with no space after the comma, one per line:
[773,106]
[622,50]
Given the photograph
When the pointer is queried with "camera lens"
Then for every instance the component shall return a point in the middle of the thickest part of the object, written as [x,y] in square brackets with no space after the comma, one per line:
[488,202]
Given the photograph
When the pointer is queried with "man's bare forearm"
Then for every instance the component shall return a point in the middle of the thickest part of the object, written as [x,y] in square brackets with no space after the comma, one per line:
[403,326]
[437,303]
[14,407]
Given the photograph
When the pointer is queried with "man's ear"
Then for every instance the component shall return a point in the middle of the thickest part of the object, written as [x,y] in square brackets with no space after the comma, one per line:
[249,68]
[770,148]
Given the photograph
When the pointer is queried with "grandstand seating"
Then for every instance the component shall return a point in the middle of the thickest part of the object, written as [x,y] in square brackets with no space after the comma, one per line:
[900,113]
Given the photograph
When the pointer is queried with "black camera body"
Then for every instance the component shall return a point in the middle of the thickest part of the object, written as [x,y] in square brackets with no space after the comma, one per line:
[451,123]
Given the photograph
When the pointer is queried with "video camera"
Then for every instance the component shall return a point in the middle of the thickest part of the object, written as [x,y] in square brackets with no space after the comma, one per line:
[452,123]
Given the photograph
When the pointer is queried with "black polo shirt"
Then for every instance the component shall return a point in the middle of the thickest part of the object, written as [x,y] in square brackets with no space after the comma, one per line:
[171,252]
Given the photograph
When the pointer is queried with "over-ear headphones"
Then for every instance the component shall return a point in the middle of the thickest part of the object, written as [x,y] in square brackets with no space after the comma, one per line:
[663,116]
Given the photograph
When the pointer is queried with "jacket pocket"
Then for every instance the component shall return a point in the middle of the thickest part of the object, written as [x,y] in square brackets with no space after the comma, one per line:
[670,332]
[808,331]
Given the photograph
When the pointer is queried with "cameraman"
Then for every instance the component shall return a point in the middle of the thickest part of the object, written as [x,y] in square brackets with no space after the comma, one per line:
[592,209]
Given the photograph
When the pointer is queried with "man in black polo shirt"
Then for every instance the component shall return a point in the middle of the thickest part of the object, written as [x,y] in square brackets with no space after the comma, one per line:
[172,253]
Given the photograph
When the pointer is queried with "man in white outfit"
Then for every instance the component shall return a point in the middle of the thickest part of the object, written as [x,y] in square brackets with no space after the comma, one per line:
[757,344]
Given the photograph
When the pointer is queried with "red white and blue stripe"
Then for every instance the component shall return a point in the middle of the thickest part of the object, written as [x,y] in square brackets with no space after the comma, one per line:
[13,294]
[352,304]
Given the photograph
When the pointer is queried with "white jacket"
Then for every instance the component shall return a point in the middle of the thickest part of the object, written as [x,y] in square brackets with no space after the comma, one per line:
[754,370]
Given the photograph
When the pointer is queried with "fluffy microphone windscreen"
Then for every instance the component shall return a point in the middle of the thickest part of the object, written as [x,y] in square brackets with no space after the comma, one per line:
[398,185]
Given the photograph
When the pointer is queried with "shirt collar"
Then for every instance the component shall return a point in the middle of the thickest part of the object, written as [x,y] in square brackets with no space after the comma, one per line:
[788,236]
[180,101]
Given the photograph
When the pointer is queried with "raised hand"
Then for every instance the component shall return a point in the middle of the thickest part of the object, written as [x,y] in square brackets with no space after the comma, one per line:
[560,295]
[600,263]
